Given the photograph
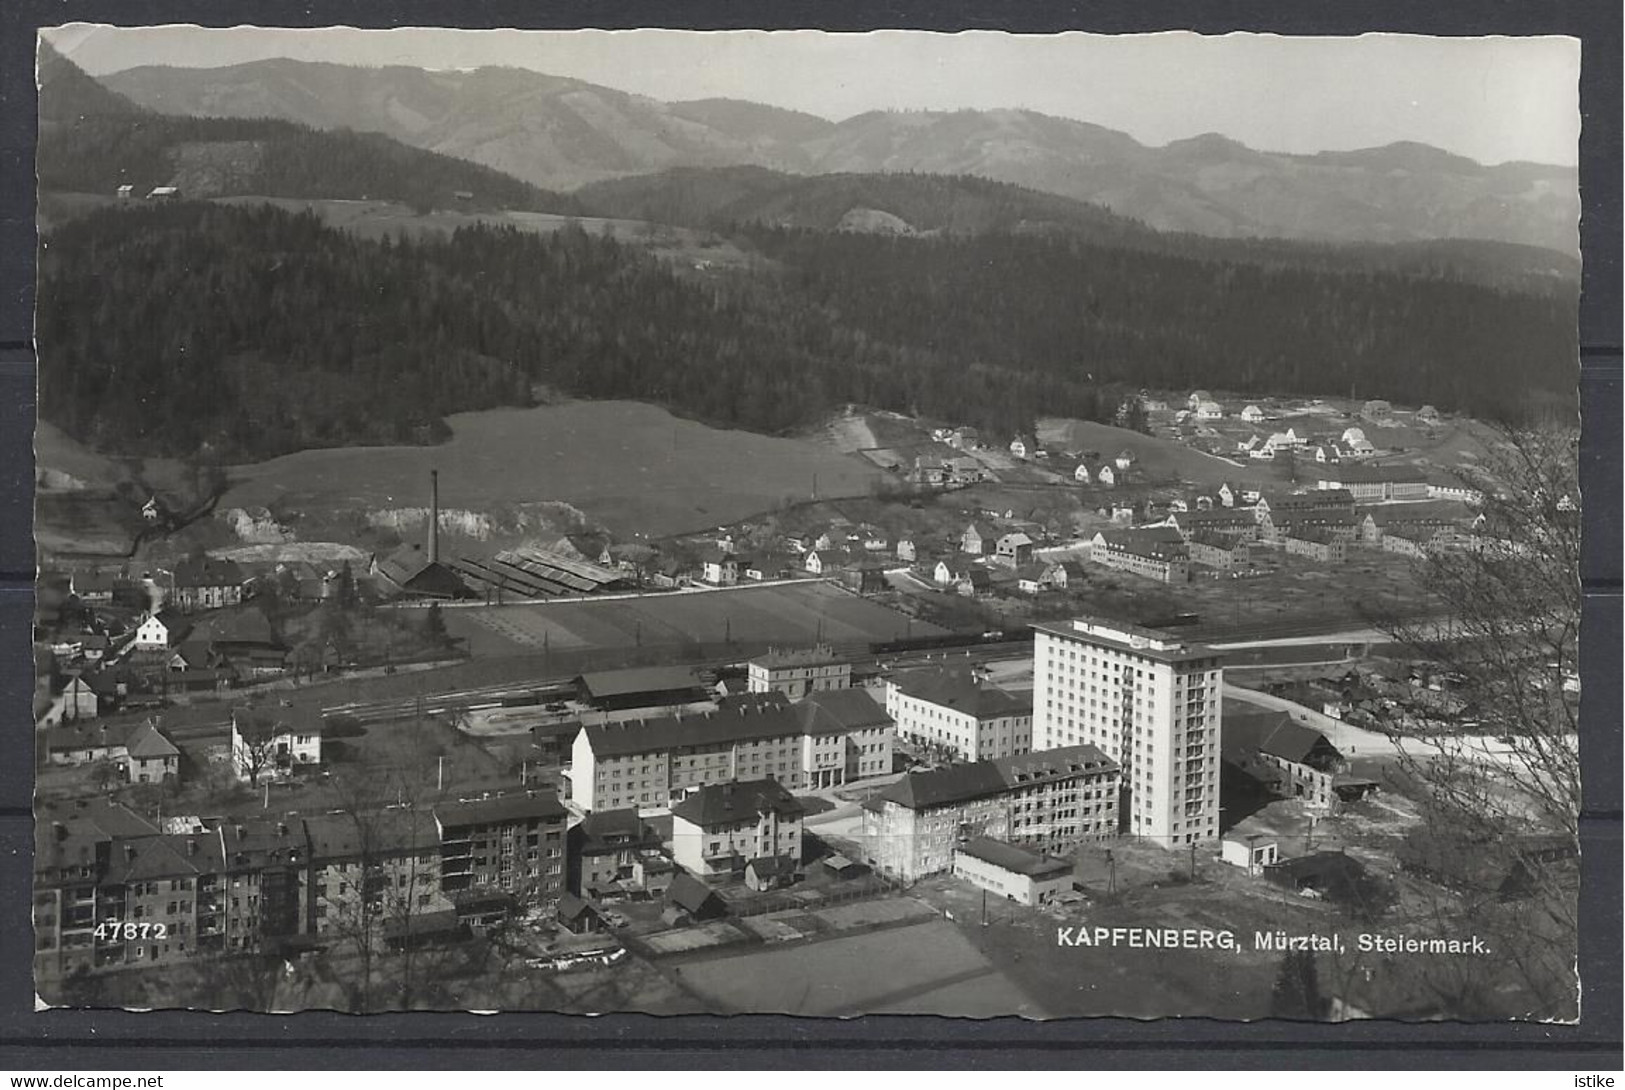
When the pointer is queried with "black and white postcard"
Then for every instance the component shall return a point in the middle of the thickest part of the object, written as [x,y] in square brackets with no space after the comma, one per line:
[827,524]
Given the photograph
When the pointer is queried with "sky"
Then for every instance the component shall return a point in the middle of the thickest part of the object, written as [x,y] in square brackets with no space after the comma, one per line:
[1491,99]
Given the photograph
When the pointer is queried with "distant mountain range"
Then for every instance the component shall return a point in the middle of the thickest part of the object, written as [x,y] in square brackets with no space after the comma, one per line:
[94,140]
[561,133]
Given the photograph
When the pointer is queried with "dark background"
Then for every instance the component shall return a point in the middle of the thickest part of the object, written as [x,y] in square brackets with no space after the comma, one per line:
[65,1040]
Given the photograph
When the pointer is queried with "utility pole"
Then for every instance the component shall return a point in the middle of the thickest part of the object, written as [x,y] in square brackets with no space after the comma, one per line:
[440,774]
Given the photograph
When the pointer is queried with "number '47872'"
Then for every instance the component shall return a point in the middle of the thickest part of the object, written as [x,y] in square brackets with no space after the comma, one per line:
[114,930]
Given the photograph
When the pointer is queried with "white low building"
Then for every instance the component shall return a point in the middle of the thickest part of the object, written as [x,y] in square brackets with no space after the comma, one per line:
[1016,874]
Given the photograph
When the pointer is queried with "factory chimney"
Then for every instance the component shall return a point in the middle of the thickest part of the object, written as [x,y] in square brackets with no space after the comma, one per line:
[434,516]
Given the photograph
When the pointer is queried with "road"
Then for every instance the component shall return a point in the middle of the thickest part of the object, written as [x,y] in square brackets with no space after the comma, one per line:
[1358,742]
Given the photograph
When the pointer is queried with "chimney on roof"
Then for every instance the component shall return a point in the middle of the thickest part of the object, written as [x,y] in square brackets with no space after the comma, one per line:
[191,847]
[129,853]
[434,516]
[60,830]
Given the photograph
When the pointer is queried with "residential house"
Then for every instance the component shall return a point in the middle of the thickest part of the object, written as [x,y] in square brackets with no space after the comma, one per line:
[271,741]
[1427,415]
[719,568]
[1355,444]
[76,744]
[151,758]
[1065,574]
[1013,550]
[1054,801]
[826,561]
[1106,476]
[206,583]
[1252,414]
[974,583]
[1377,411]
[1196,399]
[604,850]
[1081,473]
[723,827]
[1014,873]
[905,550]
[953,712]
[978,539]
[865,578]
[1209,410]
[1023,446]
[160,631]
[943,575]
[1031,578]
[1124,460]
[761,568]
[1227,495]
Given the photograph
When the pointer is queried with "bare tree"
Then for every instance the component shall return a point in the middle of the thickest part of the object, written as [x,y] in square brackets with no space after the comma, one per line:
[1501,784]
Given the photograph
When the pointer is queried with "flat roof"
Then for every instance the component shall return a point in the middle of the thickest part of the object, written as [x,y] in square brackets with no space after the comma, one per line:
[1122,635]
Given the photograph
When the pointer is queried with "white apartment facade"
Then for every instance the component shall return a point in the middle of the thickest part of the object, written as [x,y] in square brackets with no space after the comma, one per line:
[797,673]
[956,711]
[1152,703]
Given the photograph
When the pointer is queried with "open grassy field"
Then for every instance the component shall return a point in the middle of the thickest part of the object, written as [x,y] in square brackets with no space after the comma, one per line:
[794,614]
[634,467]
[926,968]
[1157,460]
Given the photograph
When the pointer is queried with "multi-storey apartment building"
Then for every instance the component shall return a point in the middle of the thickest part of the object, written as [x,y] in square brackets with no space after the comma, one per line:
[1156,552]
[826,739]
[845,736]
[721,829]
[1051,801]
[1148,699]
[510,844]
[796,673]
[373,875]
[112,890]
[955,711]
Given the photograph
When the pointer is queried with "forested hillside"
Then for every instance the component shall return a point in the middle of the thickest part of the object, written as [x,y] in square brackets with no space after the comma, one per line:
[258,332]
[1061,306]
[957,204]
[729,198]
